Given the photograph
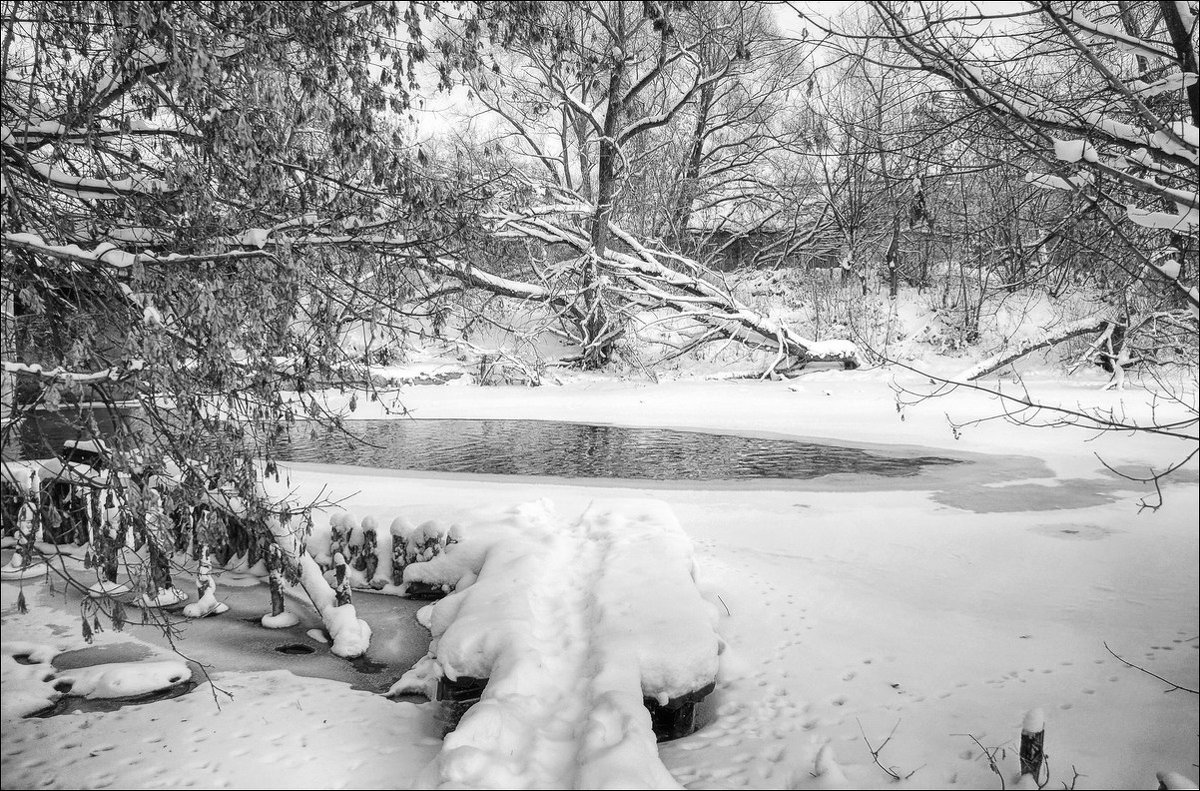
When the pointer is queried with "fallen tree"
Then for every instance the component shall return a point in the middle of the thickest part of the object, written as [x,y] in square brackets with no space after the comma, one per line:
[641,279]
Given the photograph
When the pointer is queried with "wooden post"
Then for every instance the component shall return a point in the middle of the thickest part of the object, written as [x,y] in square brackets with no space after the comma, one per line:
[1033,736]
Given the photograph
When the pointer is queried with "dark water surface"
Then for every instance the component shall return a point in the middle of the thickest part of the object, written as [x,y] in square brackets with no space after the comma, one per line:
[581,450]
[537,448]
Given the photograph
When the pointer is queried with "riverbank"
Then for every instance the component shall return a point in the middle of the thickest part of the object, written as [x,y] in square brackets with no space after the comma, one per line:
[846,614]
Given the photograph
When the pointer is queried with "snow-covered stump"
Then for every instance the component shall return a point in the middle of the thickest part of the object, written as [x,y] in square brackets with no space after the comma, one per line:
[1033,737]
[353,540]
[367,560]
[93,516]
[279,618]
[206,590]
[275,580]
[22,563]
[426,543]
[79,513]
[34,498]
[105,550]
[341,587]
[400,530]
[162,591]
[338,535]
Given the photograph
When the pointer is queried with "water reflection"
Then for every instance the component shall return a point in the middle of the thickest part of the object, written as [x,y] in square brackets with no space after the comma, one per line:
[578,450]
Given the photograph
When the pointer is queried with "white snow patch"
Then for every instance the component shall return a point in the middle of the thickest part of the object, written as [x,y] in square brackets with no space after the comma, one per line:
[284,620]
[1074,150]
[123,679]
[573,624]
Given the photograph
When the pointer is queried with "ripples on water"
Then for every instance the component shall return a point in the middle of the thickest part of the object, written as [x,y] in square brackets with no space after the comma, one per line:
[578,450]
[541,447]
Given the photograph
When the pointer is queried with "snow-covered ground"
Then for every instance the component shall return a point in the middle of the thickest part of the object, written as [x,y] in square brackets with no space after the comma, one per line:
[850,609]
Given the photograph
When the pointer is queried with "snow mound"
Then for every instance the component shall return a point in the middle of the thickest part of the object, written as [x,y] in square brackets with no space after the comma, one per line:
[26,684]
[168,597]
[650,608]
[122,679]
[573,625]
[351,636]
[206,606]
[284,620]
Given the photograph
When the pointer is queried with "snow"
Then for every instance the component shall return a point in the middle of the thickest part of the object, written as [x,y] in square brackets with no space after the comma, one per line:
[1123,40]
[1168,267]
[284,620]
[1035,721]
[151,317]
[123,680]
[1174,780]
[14,571]
[1047,181]
[34,683]
[98,189]
[950,603]
[136,235]
[1075,150]
[1172,82]
[102,588]
[104,252]
[635,573]
[572,623]
[207,605]
[351,636]
[168,597]
[827,770]
[1185,221]
[263,729]
[254,237]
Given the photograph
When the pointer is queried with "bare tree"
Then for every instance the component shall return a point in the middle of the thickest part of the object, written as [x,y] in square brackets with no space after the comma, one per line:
[1099,102]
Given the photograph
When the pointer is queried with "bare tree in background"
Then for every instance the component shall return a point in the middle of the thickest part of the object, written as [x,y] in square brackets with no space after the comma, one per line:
[1101,101]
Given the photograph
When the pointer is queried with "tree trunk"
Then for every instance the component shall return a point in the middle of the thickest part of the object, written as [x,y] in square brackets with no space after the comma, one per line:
[598,338]
[689,186]
[893,253]
[1184,49]
[1131,27]
[275,580]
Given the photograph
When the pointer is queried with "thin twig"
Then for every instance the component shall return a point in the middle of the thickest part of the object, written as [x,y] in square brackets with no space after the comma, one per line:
[1172,684]
[875,751]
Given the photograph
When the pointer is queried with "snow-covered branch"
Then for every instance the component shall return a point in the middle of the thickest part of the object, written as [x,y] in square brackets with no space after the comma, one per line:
[1073,329]
[113,373]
